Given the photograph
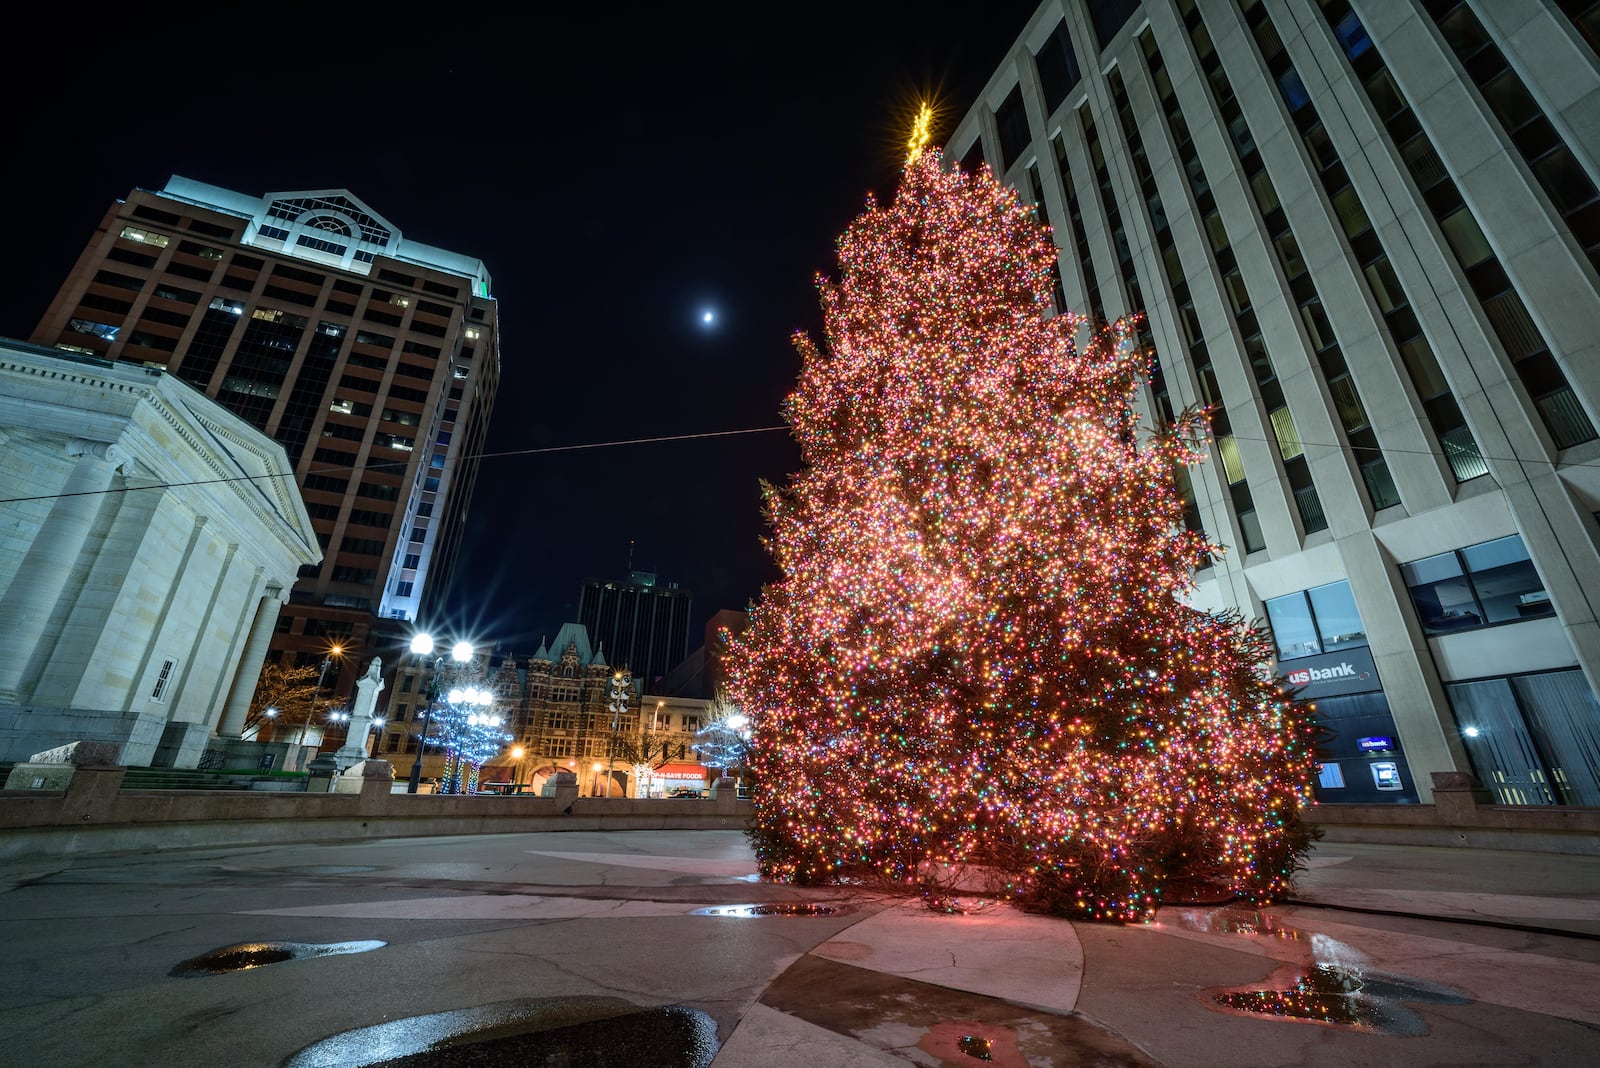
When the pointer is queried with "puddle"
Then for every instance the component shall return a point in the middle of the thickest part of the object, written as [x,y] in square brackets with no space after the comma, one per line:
[1342,996]
[1330,987]
[976,1046]
[596,1032]
[975,1042]
[247,955]
[1231,921]
[782,908]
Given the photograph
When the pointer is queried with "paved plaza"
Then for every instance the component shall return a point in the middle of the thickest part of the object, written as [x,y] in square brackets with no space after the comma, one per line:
[662,948]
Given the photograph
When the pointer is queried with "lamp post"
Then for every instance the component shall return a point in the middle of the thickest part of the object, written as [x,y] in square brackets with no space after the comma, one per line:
[422,645]
[619,705]
[334,651]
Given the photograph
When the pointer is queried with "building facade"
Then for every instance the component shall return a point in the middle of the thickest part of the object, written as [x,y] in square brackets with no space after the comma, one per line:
[372,359]
[641,625]
[1364,234]
[150,538]
[564,709]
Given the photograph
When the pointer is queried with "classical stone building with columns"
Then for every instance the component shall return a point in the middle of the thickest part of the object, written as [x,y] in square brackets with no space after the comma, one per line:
[148,537]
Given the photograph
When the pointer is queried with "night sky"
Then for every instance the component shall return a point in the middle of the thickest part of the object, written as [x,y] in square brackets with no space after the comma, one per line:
[619,169]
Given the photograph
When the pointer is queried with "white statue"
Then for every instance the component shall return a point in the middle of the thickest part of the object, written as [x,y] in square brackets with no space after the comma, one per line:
[368,686]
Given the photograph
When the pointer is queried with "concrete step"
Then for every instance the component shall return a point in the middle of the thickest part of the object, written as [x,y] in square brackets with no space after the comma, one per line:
[182,779]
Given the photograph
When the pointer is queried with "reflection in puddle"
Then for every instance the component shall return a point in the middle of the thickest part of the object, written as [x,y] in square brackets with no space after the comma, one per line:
[1345,996]
[784,908]
[976,1046]
[247,955]
[1331,987]
[596,1032]
[1231,921]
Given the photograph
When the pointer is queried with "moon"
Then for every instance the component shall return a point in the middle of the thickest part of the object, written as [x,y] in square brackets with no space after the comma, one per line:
[708,317]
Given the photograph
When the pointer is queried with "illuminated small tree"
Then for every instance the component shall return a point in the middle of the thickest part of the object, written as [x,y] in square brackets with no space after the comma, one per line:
[725,741]
[979,652]
[288,692]
[471,733]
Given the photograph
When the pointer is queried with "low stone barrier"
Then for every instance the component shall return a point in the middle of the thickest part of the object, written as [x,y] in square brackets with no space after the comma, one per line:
[1463,813]
[94,815]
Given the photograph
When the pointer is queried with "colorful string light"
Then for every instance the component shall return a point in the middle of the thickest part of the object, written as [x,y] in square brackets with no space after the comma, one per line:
[979,652]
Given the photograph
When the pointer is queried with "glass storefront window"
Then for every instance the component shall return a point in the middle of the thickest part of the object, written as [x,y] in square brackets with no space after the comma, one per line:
[1292,627]
[1315,621]
[1338,622]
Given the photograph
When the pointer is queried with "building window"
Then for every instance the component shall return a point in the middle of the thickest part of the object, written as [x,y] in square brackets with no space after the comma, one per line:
[1492,582]
[402,589]
[1314,621]
[1012,120]
[1058,67]
[94,329]
[1533,739]
[145,237]
[163,677]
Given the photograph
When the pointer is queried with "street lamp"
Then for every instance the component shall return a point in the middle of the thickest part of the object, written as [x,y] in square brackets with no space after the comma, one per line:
[422,645]
[334,652]
[266,713]
[619,705]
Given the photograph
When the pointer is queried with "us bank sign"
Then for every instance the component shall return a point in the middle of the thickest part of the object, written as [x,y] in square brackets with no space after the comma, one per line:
[1332,674]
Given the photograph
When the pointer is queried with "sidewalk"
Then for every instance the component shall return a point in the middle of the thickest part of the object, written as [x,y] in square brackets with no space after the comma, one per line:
[660,948]
[1538,891]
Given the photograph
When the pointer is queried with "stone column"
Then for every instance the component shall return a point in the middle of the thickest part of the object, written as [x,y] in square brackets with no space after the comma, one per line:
[39,582]
[249,673]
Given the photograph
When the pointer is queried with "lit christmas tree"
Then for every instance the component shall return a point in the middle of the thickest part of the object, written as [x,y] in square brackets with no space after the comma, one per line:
[979,653]
[471,733]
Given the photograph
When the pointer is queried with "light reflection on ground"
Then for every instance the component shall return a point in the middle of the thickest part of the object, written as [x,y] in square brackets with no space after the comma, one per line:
[1331,984]
[781,908]
[247,955]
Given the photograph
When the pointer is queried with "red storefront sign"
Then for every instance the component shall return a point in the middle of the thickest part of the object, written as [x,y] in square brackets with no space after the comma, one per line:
[680,772]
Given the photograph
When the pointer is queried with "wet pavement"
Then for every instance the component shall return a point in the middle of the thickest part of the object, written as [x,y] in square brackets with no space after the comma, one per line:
[650,949]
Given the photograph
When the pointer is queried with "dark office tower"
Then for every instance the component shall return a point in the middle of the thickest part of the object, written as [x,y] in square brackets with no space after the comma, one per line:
[372,359]
[639,625]
[1365,235]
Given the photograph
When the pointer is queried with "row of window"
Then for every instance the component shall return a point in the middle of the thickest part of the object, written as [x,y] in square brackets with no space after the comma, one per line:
[1475,586]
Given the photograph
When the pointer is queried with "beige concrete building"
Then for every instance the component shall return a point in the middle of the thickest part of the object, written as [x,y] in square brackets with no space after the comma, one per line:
[148,539]
[1365,234]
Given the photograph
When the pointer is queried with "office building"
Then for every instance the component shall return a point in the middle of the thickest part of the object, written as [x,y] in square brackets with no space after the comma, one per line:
[642,627]
[1365,235]
[372,359]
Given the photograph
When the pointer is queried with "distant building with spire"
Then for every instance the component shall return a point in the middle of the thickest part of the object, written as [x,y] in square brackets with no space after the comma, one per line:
[558,709]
